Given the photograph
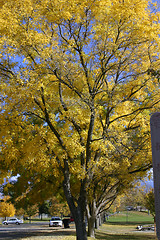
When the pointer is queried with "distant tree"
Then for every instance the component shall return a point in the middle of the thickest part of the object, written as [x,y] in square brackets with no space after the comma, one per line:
[7,209]
[31,210]
[24,204]
[20,212]
[134,197]
[58,207]
[116,205]
[44,208]
[149,202]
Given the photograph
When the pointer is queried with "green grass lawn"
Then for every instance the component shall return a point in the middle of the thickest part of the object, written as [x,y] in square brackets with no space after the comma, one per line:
[131,217]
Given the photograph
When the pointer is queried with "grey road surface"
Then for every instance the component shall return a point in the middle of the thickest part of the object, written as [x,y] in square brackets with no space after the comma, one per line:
[14,232]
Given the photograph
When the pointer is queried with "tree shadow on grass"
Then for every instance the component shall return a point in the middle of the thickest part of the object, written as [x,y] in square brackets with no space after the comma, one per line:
[41,233]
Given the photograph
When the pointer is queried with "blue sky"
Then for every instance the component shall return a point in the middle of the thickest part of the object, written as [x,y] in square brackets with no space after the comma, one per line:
[158,1]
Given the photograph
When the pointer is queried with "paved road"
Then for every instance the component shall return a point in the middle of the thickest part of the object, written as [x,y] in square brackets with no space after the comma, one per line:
[14,232]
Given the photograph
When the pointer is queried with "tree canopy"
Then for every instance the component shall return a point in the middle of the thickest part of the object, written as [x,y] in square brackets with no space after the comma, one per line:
[150,202]
[77,90]
[6,208]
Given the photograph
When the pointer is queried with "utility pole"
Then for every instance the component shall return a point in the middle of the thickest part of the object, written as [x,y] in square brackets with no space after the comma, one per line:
[155,139]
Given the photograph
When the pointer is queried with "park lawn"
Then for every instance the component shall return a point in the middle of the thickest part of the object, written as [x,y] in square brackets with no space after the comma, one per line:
[123,225]
[131,217]
[122,232]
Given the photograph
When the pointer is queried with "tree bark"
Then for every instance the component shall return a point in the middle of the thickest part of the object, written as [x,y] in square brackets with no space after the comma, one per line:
[81,232]
[91,226]
[97,222]
[80,220]
[91,212]
[78,214]
[78,211]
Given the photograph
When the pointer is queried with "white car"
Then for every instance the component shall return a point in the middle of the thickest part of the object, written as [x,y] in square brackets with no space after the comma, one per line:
[55,222]
[13,221]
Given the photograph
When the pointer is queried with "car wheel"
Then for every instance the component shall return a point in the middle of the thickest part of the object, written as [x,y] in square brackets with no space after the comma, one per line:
[17,223]
[5,223]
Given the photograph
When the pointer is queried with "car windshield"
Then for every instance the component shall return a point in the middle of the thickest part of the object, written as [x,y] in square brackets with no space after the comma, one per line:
[55,218]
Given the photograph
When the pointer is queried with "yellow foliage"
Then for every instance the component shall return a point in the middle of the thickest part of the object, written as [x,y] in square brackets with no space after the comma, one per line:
[6,209]
[77,90]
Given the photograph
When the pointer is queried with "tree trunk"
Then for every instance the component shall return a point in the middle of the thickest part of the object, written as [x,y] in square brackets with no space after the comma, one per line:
[104,217]
[100,219]
[78,211]
[91,212]
[81,232]
[78,214]
[97,222]
[91,226]
[79,219]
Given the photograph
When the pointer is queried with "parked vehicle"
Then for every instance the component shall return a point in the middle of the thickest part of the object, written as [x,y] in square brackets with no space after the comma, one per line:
[55,222]
[130,208]
[66,222]
[71,219]
[13,221]
[145,228]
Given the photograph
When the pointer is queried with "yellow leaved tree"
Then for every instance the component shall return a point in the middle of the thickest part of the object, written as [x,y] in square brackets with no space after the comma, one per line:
[6,209]
[79,80]
[58,208]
